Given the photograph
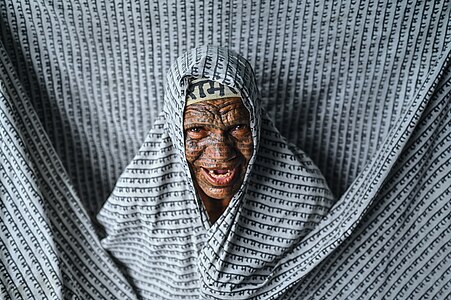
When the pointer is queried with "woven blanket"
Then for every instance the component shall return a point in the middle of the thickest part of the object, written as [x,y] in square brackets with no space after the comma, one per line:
[362,87]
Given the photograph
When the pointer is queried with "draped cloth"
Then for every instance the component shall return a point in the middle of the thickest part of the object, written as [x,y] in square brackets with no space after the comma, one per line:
[363,88]
[159,231]
[49,248]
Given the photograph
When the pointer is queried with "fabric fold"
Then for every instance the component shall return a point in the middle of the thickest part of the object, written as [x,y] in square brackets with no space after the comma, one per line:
[49,246]
[345,215]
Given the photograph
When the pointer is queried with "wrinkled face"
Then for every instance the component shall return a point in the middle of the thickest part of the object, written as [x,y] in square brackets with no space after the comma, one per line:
[218,146]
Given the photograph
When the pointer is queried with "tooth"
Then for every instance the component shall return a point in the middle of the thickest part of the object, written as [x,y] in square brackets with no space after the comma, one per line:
[222,175]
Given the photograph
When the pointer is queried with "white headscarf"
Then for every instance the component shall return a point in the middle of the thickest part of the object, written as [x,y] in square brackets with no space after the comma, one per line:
[158,228]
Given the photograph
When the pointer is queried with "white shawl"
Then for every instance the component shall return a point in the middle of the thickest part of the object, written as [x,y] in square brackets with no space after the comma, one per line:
[158,229]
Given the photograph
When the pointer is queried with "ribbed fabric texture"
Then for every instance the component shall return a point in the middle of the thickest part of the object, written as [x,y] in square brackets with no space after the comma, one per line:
[48,247]
[362,87]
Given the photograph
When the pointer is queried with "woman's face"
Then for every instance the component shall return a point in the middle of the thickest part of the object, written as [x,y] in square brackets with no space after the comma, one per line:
[218,145]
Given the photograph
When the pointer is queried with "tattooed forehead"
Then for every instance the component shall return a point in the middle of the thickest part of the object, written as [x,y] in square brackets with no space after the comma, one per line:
[226,109]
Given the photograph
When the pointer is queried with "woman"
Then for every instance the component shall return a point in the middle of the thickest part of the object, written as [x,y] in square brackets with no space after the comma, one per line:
[216,201]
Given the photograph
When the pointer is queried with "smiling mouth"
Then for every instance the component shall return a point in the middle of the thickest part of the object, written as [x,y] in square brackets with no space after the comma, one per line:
[220,177]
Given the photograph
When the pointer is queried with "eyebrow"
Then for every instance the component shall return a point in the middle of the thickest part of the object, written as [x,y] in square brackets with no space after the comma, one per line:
[235,110]
[198,117]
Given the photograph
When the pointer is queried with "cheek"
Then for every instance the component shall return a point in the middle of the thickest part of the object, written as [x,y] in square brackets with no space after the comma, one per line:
[246,148]
[193,149]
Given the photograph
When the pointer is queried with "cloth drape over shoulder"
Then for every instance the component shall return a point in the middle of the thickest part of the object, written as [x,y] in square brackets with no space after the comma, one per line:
[158,229]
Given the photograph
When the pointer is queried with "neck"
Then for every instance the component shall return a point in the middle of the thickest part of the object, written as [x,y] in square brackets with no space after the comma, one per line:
[214,207]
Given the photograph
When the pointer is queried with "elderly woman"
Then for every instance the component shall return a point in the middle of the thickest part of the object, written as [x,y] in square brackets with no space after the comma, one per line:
[218,143]
[216,202]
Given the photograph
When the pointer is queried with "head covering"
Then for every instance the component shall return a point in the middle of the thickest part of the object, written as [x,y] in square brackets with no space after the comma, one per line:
[158,228]
[204,89]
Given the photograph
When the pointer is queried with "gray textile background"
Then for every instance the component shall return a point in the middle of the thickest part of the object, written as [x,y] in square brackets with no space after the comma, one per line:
[362,87]
[334,75]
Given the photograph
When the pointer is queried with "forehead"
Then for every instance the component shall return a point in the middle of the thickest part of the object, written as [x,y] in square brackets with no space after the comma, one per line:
[217,107]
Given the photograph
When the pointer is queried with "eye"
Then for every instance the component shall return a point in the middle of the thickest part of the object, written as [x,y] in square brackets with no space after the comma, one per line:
[240,127]
[195,129]
[196,132]
[240,131]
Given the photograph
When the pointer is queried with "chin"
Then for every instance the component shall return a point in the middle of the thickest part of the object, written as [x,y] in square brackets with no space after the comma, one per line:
[220,193]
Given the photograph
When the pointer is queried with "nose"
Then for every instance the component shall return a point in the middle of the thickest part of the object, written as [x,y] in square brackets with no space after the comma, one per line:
[221,147]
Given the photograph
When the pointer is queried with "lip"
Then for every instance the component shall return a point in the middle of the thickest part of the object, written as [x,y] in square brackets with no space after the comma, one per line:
[221,176]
